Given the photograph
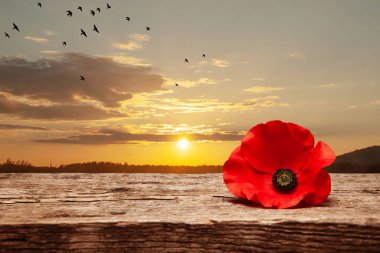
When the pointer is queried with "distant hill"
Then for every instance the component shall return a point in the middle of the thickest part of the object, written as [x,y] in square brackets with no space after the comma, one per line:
[366,160]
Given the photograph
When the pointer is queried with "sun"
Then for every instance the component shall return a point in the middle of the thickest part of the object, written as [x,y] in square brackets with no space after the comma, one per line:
[183,143]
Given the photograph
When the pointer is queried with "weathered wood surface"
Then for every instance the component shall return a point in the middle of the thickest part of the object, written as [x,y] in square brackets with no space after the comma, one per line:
[178,213]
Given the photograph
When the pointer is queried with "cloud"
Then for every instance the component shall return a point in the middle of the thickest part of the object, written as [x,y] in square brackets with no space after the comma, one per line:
[50,33]
[58,112]
[127,45]
[135,43]
[327,85]
[377,102]
[139,37]
[297,55]
[119,136]
[21,127]
[128,60]
[202,105]
[57,80]
[36,39]
[259,79]
[262,89]
[189,83]
[172,129]
[51,52]
[221,63]
[203,71]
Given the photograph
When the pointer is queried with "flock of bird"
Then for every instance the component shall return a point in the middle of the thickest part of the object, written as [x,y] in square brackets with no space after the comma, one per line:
[69,13]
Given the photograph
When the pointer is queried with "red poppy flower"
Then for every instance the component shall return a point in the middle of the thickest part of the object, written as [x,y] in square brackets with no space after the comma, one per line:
[277,165]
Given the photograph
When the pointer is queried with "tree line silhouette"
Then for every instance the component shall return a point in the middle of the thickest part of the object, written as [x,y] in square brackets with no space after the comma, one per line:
[22,166]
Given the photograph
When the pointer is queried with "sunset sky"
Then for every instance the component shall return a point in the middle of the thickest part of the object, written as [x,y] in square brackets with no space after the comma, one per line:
[314,63]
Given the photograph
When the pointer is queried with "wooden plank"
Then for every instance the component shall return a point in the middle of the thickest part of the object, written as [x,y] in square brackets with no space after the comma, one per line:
[178,213]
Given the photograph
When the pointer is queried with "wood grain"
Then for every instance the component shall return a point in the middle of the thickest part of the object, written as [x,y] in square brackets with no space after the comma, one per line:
[178,213]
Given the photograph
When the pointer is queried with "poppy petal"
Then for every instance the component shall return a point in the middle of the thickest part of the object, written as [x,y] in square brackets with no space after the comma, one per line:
[268,147]
[321,157]
[237,175]
[268,196]
[321,189]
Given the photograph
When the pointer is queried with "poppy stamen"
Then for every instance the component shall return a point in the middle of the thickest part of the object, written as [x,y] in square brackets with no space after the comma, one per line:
[284,180]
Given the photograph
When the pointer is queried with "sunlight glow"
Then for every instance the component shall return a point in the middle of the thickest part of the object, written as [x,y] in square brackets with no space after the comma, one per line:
[183,143]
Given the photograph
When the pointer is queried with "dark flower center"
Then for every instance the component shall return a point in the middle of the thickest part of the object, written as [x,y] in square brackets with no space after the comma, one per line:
[284,180]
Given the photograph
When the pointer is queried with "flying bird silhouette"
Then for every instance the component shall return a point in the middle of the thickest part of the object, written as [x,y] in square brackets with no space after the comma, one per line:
[80,8]
[186,60]
[39,5]
[128,18]
[148,28]
[82,78]
[98,9]
[92,13]
[69,13]
[203,55]
[15,27]
[64,43]
[95,29]
[176,84]
[108,6]
[7,35]
[83,33]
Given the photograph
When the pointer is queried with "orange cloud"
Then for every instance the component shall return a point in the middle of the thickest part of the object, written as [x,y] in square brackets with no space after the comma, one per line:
[221,63]
[135,43]
[36,39]
[262,89]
